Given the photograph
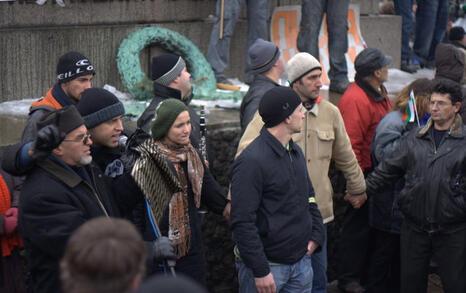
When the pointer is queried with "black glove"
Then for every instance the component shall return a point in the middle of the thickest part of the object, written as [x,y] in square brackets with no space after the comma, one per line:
[48,138]
[163,248]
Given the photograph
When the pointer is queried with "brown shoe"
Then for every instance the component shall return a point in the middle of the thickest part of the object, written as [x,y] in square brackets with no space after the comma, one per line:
[351,287]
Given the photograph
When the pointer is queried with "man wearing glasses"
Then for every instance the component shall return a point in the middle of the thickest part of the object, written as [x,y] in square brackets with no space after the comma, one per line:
[60,193]
[432,160]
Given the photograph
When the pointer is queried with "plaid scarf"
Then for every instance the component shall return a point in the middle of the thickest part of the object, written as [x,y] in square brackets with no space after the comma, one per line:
[179,229]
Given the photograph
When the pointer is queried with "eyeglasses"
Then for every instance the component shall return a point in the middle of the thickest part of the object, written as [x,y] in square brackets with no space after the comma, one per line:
[440,103]
[84,138]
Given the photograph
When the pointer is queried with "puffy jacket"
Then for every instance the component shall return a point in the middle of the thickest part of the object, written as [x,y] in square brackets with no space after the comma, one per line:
[433,198]
[251,100]
[362,107]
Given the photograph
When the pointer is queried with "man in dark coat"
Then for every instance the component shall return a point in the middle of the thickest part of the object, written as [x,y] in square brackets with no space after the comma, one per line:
[432,160]
[275,221]
[268,65]
[171,80]
[60,193]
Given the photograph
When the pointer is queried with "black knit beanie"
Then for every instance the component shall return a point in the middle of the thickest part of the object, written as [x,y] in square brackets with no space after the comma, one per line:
[98,105]
[72,65]
[167,67]
[66,119]
[277,104]
[456,33]
[165,115]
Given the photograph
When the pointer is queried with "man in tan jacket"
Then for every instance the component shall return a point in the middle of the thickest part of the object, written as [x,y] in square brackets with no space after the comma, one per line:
[323,137]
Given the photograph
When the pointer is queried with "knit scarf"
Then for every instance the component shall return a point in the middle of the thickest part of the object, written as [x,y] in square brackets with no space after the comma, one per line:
[179,230]
[8,242]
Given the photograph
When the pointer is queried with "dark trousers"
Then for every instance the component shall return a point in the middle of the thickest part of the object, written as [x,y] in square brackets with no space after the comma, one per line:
[353,245]
[383,271]
[449,251]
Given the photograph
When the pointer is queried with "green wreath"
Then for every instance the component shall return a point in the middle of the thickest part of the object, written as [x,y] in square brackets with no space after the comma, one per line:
[140,86]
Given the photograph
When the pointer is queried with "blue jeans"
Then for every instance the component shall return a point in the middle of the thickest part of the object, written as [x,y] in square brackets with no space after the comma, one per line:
[218,53]
[312,13]
[288,278]
[404,8]
[319,267]
[431,24]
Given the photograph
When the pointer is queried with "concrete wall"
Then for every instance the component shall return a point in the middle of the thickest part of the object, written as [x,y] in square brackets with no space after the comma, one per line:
[32,37]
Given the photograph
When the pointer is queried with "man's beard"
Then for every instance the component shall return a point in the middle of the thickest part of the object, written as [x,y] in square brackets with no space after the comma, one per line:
[85,160]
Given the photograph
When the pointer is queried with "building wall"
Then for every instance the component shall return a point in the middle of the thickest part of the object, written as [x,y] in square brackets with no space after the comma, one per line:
[32,37]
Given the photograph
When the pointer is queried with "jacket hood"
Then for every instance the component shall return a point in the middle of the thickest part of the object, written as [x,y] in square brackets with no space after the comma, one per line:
[449,62]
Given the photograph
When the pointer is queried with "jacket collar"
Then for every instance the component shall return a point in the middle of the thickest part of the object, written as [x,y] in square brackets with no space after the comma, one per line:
[262,78]
[62,171]
[275,144]
[315,108]
[166,92]
[60,96]
[456,129]
[370,91]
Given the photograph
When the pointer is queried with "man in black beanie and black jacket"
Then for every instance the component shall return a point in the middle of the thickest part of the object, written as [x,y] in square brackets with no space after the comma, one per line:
[171,80]
[74,75]
[274,216]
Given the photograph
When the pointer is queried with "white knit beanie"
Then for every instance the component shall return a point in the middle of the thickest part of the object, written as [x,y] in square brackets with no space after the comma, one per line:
[300,65]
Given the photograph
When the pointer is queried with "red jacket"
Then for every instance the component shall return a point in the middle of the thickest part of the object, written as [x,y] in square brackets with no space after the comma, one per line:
[361,114]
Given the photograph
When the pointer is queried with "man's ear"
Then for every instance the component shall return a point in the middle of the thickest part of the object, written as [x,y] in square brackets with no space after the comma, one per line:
[457,106]
[378,73]
[58,151]
[287,120]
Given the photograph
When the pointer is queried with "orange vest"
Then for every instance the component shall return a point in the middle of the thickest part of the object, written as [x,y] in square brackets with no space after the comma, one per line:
[48,101]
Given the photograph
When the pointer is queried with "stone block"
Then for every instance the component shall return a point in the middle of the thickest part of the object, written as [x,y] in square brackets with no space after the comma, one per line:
[383,32]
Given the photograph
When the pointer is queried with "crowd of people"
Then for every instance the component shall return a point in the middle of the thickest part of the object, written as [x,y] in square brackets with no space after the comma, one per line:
[101,208]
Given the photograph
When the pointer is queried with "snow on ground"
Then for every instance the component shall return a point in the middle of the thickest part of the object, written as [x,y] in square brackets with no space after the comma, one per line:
[397,79]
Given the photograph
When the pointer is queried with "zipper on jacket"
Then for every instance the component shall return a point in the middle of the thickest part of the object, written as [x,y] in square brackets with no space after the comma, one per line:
[305,137]
[95,193]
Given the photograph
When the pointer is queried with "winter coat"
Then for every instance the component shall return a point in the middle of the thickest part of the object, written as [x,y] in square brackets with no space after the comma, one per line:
[384,213]
[273,212]
[53,100]
[14,186]
[162,93]
[54,202]
[326,140]
[433,198]
[362,107]
[251,100]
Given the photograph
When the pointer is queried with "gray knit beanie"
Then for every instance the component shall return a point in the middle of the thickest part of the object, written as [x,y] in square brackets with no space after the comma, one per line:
[165,115]
[167,67]
[300,65]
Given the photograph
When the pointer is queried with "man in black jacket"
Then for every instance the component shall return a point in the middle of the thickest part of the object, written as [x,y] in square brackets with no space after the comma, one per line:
[171,80]
[60,194]
[274,217]
[268,66]
[433,201]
